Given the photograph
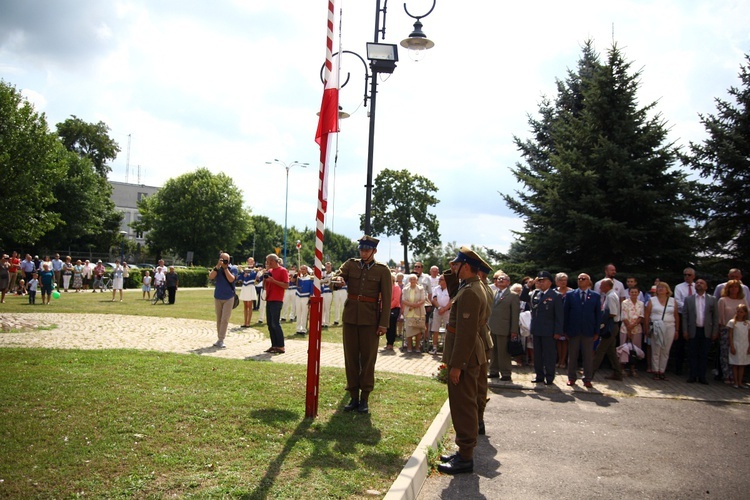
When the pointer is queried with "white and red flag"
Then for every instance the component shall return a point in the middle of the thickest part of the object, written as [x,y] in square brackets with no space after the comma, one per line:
[328,127]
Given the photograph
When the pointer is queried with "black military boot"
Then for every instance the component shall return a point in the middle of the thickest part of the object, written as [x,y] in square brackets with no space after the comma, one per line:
[353,403]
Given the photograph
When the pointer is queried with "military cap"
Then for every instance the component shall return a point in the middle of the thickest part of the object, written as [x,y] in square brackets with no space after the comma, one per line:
[368,242]
[466,254]
[542,275]
[484,267]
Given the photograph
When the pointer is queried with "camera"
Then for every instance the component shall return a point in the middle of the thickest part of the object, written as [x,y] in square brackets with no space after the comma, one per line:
[267,274]
[225,261]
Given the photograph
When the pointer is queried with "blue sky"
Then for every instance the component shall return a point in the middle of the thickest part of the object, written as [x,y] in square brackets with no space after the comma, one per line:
[230,85]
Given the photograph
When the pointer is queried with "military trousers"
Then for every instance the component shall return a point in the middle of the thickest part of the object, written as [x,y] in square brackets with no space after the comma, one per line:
[360,353]
[462,399]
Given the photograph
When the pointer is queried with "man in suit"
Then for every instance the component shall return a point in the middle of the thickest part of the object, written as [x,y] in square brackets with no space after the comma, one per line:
[700,322]
[369,287]
[547,322]
[464,354]
[582,319]
[505,311]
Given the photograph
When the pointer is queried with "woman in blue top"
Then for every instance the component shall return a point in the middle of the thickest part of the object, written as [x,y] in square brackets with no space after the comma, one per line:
[46,277]
[248,294]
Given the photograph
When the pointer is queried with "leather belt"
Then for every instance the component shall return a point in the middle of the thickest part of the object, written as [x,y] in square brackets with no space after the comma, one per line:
[450,328]
[362,298]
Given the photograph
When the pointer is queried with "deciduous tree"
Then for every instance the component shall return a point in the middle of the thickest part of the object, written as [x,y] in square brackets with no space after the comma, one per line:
[401,205]
[91,140]
[199,212]
[31,164]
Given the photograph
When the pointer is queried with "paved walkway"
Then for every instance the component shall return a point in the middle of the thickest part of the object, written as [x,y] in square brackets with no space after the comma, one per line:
[92,331]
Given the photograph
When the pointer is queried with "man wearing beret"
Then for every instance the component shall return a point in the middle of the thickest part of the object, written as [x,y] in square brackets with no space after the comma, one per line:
[464,353]
[369,291]
[547,322]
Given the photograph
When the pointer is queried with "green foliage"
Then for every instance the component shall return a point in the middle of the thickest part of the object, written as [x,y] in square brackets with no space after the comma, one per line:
[31,164]
[197,211]
[400,207]
[84,202]
[599,182]
[89,140]
[724,160]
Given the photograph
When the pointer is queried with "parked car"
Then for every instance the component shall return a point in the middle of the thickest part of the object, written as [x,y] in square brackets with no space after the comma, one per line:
[150,267]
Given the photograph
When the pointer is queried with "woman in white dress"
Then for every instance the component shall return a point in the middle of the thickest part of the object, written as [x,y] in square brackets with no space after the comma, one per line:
[662,308]
[248,293]
[117,280]
[739,345]
[412,307]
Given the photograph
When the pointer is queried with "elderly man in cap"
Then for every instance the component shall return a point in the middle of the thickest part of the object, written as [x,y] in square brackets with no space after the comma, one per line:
[369,292]
[465,355]
[547,323]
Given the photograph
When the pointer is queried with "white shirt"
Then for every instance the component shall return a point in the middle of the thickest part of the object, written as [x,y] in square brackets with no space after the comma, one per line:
[683,291]
[618,287]
[700,309]
[442,297]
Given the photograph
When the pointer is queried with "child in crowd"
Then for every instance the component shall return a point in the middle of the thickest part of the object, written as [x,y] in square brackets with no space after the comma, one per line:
[739,345]
[21,290]
[31,288]
[146,285]
[46,278]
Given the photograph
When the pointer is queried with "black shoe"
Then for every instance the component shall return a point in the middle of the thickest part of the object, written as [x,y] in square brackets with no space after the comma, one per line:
[353,405]
[506,378]
[363,408]
[703,381]
[494,375]
[691,380]
[480,429]
[537,381]
[549,382]
[448,458]
[457,466]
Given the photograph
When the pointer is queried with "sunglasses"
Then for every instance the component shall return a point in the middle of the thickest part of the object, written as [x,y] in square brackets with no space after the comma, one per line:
[582,279]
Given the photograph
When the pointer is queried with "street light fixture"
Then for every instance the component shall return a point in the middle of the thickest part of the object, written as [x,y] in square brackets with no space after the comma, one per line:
[286,202]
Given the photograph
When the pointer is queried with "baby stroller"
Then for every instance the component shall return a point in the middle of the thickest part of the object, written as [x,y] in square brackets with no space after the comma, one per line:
[159,294]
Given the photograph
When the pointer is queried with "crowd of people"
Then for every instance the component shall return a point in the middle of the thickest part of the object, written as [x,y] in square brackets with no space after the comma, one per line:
[32,275]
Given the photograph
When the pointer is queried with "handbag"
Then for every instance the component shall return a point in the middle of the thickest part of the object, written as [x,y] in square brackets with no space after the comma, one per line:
[515,347]
[236,301]
[416,322]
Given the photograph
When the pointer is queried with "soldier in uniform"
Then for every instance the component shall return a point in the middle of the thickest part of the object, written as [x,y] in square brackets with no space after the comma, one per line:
[369,291]
[464,353]
[489,345]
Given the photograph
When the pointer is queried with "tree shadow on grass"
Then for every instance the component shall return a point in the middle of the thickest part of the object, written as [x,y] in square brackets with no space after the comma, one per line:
[346,441]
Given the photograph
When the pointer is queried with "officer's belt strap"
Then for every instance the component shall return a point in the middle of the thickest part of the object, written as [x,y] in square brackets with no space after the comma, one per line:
[450,328]
[362,298]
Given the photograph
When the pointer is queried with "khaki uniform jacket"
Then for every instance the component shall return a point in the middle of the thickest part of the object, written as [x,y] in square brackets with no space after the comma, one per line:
[469,313]
[373,281]
[486,337]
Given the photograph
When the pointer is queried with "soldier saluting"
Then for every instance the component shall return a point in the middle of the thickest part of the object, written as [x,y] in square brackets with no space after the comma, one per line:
[464,353]
[369,290]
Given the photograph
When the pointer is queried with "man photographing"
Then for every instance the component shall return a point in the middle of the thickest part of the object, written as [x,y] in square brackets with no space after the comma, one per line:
[223,274]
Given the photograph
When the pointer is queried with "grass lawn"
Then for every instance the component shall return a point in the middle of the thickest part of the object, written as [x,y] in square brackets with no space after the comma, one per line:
[116,423]
[189,303]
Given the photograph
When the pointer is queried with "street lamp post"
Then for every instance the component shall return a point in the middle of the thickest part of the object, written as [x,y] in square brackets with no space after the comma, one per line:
[383,58]
[286,202]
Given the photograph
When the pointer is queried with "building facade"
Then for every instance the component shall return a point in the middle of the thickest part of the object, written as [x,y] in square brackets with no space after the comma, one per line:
[126,197]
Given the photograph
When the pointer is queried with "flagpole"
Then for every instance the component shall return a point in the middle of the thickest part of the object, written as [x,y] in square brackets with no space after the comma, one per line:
[327,128]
